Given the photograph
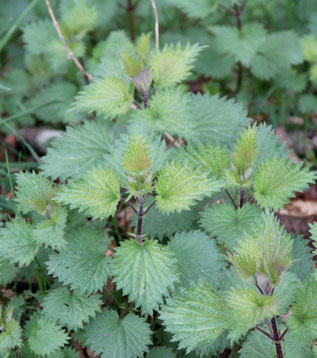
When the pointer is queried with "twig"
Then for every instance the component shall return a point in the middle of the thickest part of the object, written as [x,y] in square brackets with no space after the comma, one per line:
[262,331]
[230,197]
[171,139]
[277,339]
[140,220]
[62,38]
[283,334]
[130,10]
[269,326]
[157,28]
[149,207]
[133,208]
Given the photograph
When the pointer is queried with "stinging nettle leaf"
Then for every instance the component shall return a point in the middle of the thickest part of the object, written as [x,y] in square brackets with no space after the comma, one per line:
[112,337]
[16,242]
[178,187]
[79,149]
[109,97]
[173,64]
[146,273]
[70,309]
[34,192]
[194,316]
[97,193]
[82,264]
[277,180]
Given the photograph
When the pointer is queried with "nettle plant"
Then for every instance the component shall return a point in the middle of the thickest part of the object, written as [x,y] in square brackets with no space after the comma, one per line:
[208,266]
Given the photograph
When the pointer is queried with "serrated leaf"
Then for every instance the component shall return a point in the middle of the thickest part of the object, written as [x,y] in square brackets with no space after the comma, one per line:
[132,63]
[70,309]
[217,120]
[109,97]
[247,307]
[34,192]
[277,180]
[303,264]
[200,254]
[16,244]
[82,264]
[210,159]
[194,316]
[97,193]
[229,224]
[173,64]
[285,292]
[8,271]
[302,323]
[112,337]
[62,94]
[146,273]
[10,335]
[257,345]
[50,232]
[44,336]
[168,110]
[178,187]
[241,44]
[279,51]
[79,149]
[269,247]
[291,80]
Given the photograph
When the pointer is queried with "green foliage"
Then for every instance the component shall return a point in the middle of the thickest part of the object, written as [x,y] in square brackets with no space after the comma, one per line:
[178,187]
[173,64]
[229,224]
[82,264]
[201,254]
[17,244]
[34,192]
[194,316]
[275,181]
[44,336]
[70,309]
[79,149]
[97,193]
[11,332]
[302,320]
[50,232]
[8,271]
[159,352]
[144,272]
[112,337]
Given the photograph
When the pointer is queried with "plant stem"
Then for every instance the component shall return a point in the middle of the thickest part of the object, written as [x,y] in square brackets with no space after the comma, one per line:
[262,331]
[241,197]
[230,197]
[277,339]
[157,26]
[140,219]
[130,10]
[149,207]
[62,38]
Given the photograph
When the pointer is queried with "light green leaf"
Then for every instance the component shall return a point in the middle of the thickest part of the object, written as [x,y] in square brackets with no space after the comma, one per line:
[50,232]
[198,256]
[34,192]
[79,149]
[303,264]
[217,120]
[109,97]
[10,335]
[70,309]
[169,110]
[146,273]
[16,244]
[257,345]
[277,180]
[173,64]
[194,316]
[97,193]
[8,271]
[44,336]
[82,264]
[247,307]
[229,224]
[112,337]
[302,322]
[178,187]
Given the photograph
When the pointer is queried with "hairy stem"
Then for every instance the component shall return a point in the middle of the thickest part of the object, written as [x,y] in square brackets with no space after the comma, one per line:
[62,38]
[230,197]
[241,197]
[140,219]
[157,26]
[277,339]
[262,331]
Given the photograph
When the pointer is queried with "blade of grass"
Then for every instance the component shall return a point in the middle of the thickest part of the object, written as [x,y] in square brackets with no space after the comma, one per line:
[16,165]
[15,26]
